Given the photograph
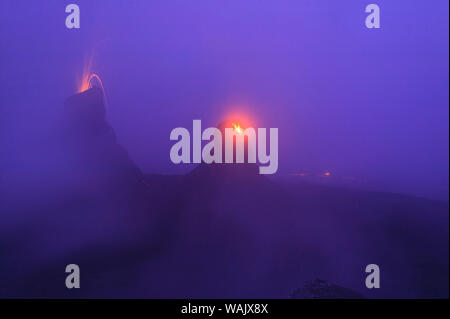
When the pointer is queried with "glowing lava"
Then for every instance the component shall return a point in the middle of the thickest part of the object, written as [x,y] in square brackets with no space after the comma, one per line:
[237,128]
[89,81]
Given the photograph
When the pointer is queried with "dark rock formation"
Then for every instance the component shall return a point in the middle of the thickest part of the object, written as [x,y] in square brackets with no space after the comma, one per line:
[320,289]
[85,114]
[92,144]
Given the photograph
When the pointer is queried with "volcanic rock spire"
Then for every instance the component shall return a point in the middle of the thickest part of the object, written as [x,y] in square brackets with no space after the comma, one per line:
[92,141]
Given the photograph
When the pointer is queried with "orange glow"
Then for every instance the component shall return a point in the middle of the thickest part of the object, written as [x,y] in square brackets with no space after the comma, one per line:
[89,79]
[88,82]
[84,84]
[237,128]
[327,174]
[239,118]
[300,174]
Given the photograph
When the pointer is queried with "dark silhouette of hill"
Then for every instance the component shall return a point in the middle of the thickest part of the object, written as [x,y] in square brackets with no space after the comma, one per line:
[220,231]
[320,289]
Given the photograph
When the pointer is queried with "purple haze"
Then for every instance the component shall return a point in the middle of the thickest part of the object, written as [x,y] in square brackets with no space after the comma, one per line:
[367,104]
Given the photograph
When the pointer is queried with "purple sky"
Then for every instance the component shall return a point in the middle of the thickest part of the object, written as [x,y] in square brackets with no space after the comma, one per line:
[371,104]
